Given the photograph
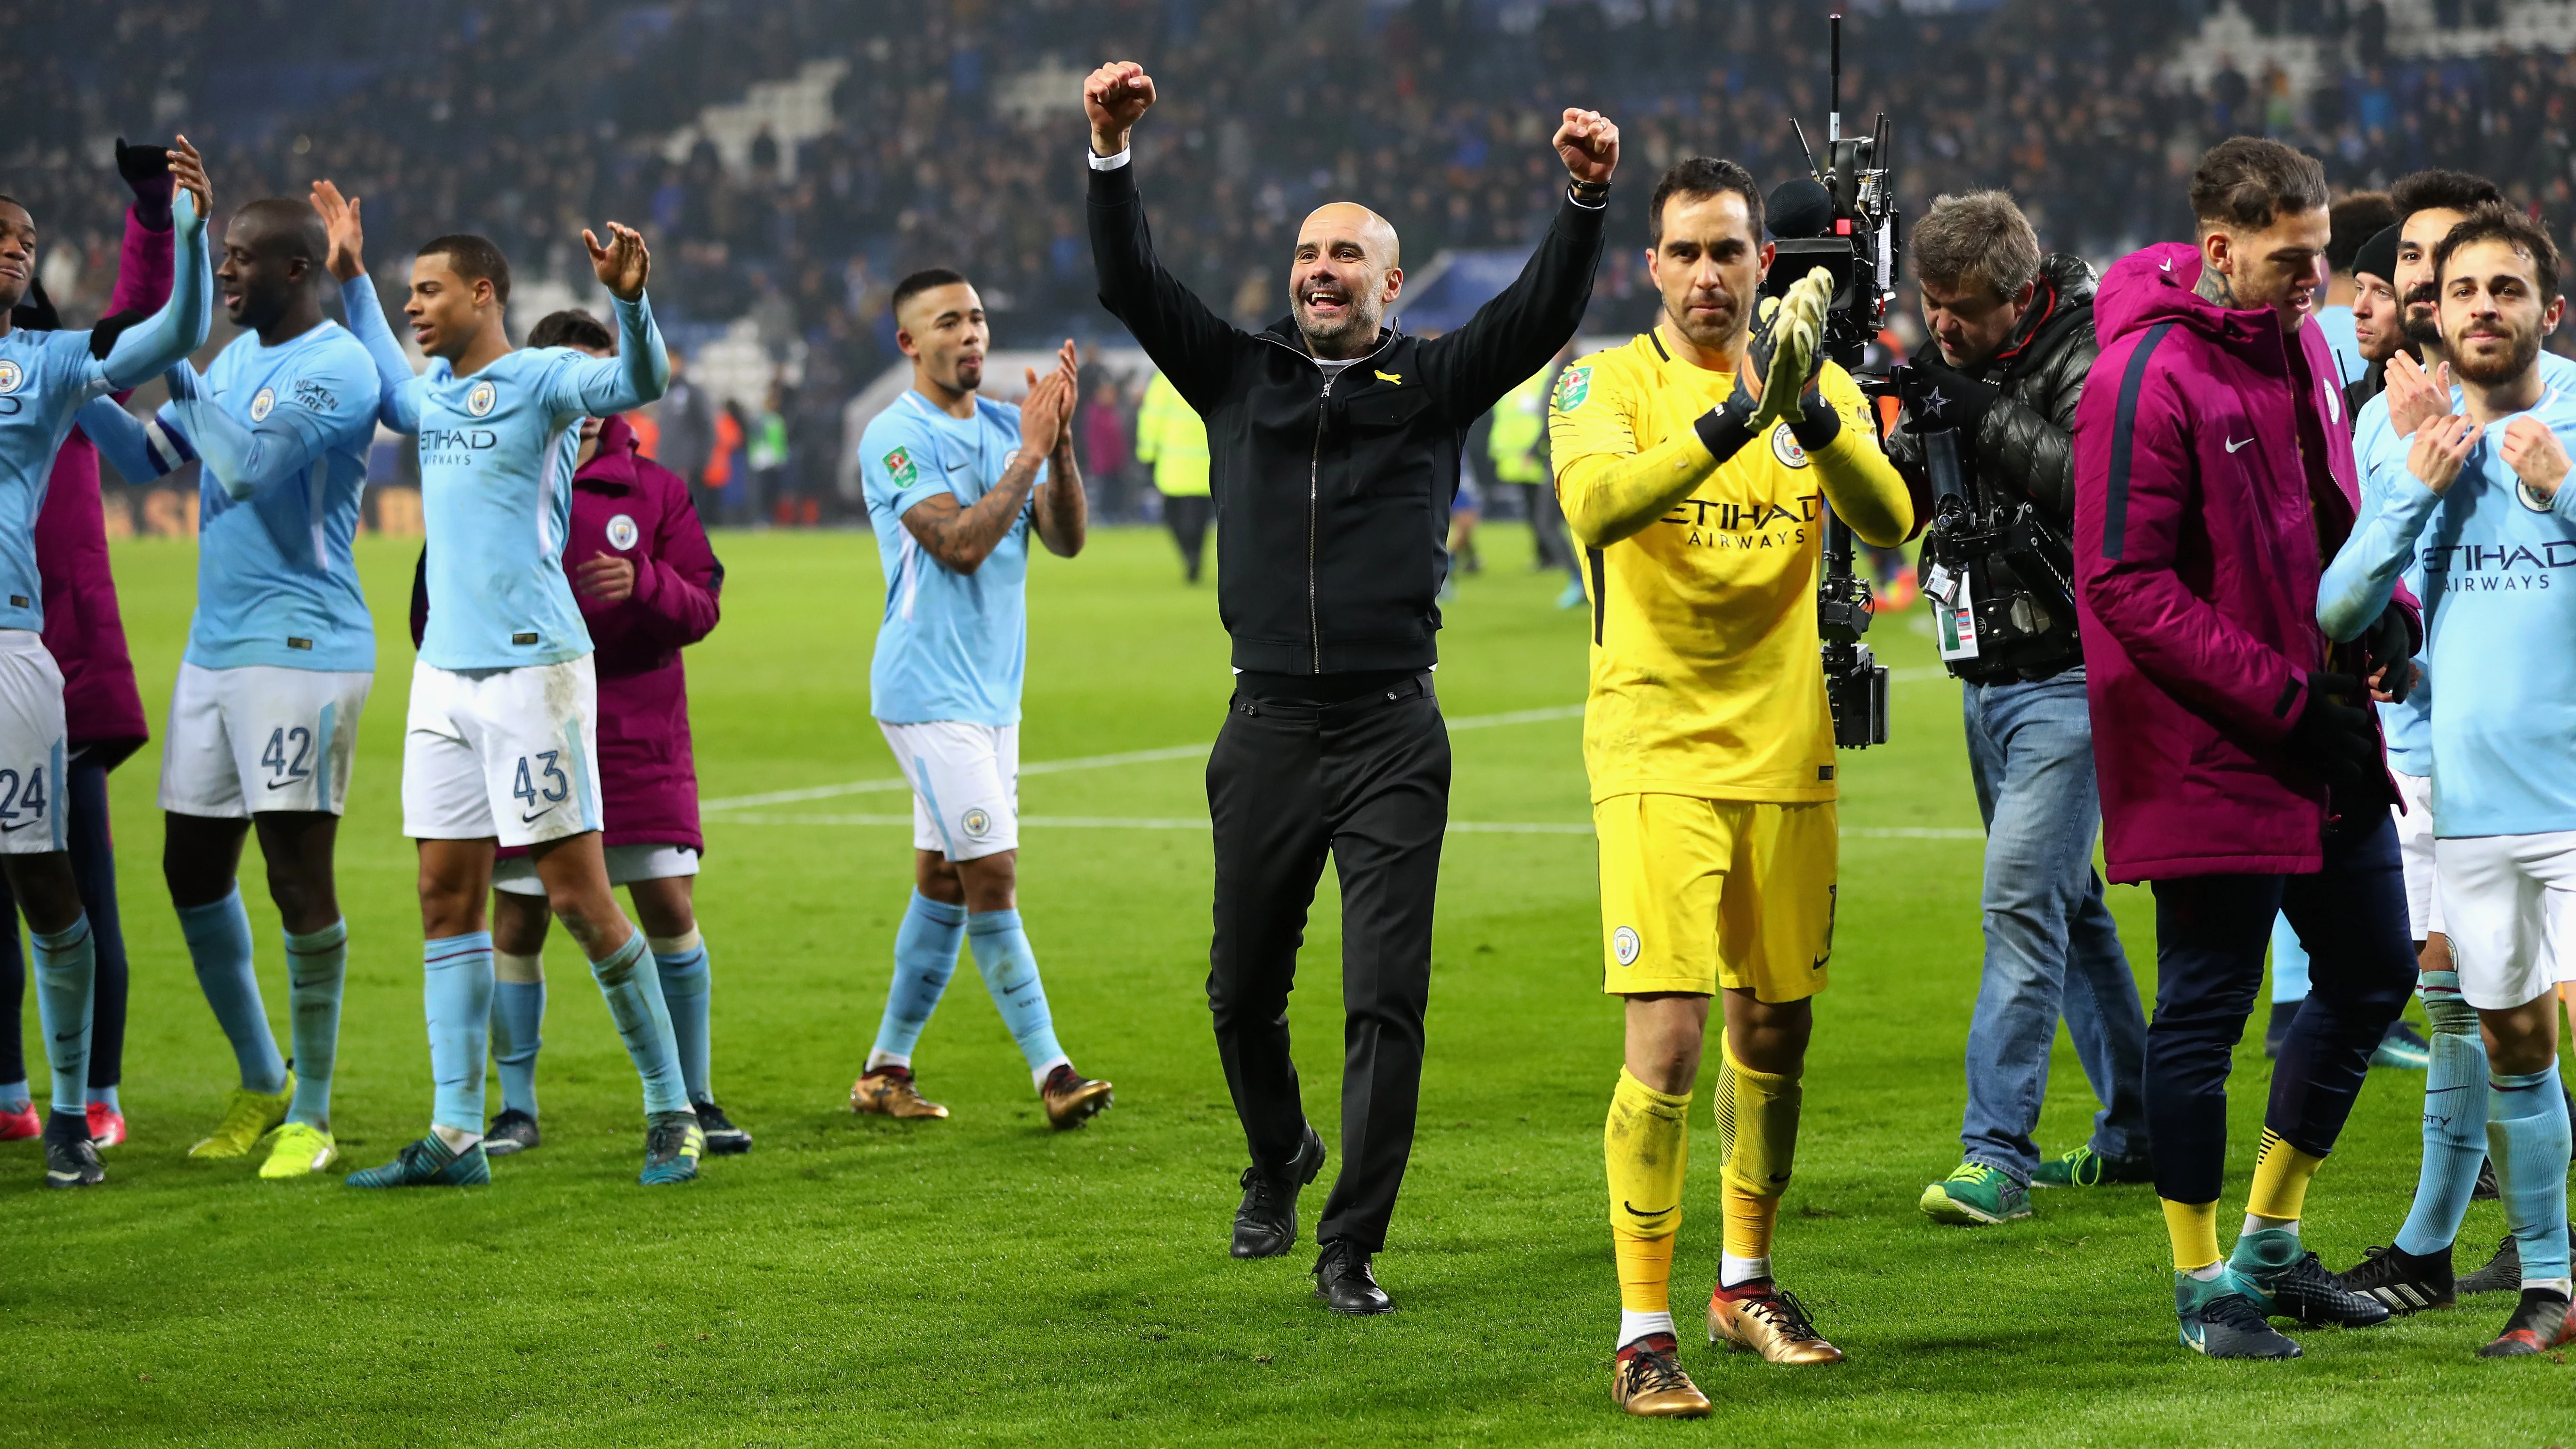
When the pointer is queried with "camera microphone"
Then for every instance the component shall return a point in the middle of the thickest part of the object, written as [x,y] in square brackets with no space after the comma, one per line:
[1800,208]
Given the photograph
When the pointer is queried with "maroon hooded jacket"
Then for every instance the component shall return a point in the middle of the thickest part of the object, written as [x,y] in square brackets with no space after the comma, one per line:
[2214,477]
[102,711]
[627,505]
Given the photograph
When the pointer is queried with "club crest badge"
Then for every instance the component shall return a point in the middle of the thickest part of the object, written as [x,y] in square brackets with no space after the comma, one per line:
[10,375]
[1624,945]
[482,400]
[622,533]
[1784,446]
[264,404]
[976,824]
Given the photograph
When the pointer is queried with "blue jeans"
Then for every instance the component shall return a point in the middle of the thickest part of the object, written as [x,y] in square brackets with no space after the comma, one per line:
[2051,946]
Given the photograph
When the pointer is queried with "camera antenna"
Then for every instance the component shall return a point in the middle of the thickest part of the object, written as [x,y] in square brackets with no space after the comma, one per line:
[1834,116]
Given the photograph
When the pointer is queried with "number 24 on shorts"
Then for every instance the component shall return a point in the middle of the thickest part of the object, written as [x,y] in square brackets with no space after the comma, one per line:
[523,786]
[20,808]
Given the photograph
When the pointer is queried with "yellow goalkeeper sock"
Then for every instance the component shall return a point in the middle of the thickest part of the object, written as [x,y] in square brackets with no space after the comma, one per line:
[2281,1176]
[1646,1147]
[1757,1124]
[2193,1226]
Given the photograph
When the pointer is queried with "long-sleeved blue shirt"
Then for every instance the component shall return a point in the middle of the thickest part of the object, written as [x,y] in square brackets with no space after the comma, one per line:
[497,451]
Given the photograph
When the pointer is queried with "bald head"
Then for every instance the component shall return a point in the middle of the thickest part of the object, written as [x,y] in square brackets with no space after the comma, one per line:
[272,267]
[1346,270]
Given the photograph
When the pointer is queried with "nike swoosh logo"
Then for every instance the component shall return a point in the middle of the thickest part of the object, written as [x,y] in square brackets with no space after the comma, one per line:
[2233,445]
[66,1036]
[1647,1212]
[540,815]
[21,825]
[959,467]
[282,784]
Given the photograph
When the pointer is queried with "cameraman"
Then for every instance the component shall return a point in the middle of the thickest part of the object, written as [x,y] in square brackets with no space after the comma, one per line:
[2012,337]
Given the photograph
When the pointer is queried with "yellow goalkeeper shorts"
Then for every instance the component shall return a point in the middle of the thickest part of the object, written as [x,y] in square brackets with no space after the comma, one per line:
[1702,894]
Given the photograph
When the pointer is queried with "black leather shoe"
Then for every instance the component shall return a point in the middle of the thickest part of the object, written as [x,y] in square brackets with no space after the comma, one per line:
[1344,1282]
[1265,1226]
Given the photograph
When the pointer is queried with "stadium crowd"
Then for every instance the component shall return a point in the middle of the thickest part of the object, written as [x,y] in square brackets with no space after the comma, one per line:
[1413,104]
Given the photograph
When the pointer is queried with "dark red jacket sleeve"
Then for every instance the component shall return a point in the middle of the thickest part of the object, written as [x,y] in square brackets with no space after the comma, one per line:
[678,579]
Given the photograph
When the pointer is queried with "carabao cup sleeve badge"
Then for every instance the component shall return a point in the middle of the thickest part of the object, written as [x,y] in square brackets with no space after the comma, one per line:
[1572,386]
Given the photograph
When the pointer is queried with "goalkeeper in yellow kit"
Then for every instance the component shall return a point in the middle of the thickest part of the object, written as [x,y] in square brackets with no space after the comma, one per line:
[1694,464]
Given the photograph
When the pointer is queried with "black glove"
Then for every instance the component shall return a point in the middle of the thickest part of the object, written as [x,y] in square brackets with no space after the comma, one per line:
[1950,398]
[146,170]
[2337,740]
[2390,645]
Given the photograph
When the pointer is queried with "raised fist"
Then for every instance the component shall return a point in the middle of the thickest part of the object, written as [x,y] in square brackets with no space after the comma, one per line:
[1116,96]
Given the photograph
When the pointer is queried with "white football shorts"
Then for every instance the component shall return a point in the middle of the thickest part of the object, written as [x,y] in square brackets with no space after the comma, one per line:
[2509,907]
[627,864]
[2415,853]
[257,738]
[512,754]
[965,785]
[31,745]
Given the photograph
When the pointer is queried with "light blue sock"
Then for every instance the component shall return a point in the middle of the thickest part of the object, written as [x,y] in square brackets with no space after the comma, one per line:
[925,956]
[686,986]
[1011,974]
[2527,1135]
[643,1023]
[13,1094]
[518,1015]
[2289,963]
[218,936]
[2455,1119]
[317,965]
[66,974]
[106,1097]
[456,991]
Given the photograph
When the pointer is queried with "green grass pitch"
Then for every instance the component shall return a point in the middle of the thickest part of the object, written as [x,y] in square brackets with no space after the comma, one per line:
[982,1280]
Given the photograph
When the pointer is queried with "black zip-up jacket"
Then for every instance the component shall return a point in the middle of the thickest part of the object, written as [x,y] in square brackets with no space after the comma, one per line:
[2026,441]
[1332,493]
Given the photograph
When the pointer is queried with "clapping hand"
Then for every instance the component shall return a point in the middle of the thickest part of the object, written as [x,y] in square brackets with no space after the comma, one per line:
[2532,450]
[2441,447]
[190,168]
[348,237]
[2413,396]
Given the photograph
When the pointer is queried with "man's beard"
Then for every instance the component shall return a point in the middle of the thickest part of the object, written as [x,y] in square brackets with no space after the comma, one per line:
[2426,330]
[2487,371]
[1359,324]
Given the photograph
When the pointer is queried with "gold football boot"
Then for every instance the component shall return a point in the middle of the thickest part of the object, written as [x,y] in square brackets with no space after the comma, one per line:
[1649,1383]
[1072,1098]
[1774,1325]
[890,1091]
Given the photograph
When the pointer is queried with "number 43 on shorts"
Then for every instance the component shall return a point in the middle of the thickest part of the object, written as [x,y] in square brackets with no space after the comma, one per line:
[523,786]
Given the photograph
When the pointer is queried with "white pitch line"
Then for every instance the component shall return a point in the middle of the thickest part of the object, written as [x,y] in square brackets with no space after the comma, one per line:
[1089,762]
[1456,827]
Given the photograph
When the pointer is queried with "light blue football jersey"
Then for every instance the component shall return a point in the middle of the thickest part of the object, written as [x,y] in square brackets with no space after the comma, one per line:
[45,377]
[286,428]
[2499,574]
[2377,450]
[952,646]
[497,451]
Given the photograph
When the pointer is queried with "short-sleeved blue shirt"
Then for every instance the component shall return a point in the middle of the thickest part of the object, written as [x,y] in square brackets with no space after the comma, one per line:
[953,646]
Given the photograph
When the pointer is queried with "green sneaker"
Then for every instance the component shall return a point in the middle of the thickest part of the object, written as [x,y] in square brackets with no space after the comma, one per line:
[1975,1194]
[298,1149]
[248,1116]
[2084,1167]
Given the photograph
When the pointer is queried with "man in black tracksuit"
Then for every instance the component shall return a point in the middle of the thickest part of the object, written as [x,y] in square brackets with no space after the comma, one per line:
[1333,450]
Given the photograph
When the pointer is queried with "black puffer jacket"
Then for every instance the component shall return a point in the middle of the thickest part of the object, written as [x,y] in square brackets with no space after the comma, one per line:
[2026,441]
[1333,488]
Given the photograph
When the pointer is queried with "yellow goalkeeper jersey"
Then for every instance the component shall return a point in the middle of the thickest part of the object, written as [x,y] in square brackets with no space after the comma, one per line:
[1705,676]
